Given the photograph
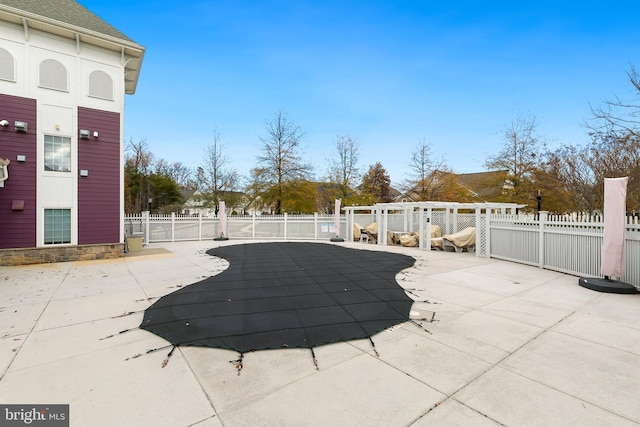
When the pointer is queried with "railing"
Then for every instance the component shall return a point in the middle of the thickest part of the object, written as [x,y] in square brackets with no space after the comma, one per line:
[562,244]
[175,228]
[566,244]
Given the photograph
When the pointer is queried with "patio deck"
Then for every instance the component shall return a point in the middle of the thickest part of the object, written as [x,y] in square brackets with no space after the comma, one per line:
[512,345]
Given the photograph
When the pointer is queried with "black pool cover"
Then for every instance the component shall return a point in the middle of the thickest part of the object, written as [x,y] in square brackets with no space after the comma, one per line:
[285,294]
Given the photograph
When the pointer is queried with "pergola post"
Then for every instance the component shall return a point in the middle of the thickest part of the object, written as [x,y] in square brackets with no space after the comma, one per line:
[421,235]
[350,221]
[381,219]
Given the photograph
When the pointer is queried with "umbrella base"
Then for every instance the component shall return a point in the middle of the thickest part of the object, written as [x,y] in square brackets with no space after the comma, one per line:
[220,238]
[607,285]
[337,239]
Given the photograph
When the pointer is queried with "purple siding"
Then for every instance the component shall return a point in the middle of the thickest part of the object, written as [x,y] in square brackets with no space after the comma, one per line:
[18,228]
[99,193]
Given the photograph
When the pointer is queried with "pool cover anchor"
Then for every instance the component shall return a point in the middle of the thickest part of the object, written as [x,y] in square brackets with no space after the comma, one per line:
[238,362]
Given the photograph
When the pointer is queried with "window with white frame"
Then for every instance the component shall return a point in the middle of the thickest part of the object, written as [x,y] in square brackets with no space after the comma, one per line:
[57,153]
[57,226]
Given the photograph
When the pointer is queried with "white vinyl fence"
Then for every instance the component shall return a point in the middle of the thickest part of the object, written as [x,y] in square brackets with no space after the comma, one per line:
[563,244]
[176,228]
[568,244]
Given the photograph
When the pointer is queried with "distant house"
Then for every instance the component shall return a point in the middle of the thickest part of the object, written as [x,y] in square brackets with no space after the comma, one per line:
[467,187]
[196,203]
[193,203]
[485,186]
[64,74]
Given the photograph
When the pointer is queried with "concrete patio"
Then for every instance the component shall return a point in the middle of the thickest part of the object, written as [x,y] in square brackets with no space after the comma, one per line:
[512,345]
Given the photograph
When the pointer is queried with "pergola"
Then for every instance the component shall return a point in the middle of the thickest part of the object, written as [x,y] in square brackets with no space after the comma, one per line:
[422,213]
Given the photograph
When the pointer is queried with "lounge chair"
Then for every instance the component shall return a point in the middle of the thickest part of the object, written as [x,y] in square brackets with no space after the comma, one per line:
[357,231]
[372,231]
[362,234]
[411,238]
[462,240]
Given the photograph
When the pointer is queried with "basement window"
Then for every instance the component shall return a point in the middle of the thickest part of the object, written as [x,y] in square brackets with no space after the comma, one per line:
[57,226]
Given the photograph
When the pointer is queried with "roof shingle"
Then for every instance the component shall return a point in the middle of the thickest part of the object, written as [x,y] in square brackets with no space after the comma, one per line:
[67,11]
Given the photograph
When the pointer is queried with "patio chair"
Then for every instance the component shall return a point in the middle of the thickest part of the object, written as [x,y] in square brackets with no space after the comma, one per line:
[462,240]
[372,231]
[357,231]
[411,240]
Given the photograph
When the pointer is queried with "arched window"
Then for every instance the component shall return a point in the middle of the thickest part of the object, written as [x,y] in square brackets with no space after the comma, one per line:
[100,85]
[7,66]
[53,75]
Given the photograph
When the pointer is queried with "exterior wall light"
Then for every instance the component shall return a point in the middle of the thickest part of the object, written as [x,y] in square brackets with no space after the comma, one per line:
[20,126]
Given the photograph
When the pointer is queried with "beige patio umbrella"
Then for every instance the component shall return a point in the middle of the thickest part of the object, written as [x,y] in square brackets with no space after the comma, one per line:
[222,214]
[612,251]
[336,222]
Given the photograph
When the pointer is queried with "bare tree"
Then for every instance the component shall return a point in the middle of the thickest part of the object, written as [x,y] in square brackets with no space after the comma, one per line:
[520,155]
[611,156]
[343,169]
[140,156]
[617,115]
[575,175]
[280,165]
[215,176]
[181,174]
[138,163]
[424,176]
[567,179]
[615,142]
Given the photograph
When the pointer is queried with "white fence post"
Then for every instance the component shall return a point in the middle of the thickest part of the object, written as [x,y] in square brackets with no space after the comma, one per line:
[173,227]
[487,218]
[454,214]
[381,219]
[350,222]
[253,226]
[199,227]
[145,220]
[421,236]
[285,226]
[541,223]
[479,242]
[407,220]
[315,226]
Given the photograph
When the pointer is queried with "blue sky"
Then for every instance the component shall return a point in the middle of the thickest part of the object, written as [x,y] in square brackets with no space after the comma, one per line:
[389,73]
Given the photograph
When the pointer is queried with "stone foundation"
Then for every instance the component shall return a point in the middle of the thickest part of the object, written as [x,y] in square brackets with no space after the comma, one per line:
[25,256]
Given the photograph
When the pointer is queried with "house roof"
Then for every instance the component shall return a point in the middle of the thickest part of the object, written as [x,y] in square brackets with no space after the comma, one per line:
[68,18]
[484,185]
[188,193]
[480,186]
